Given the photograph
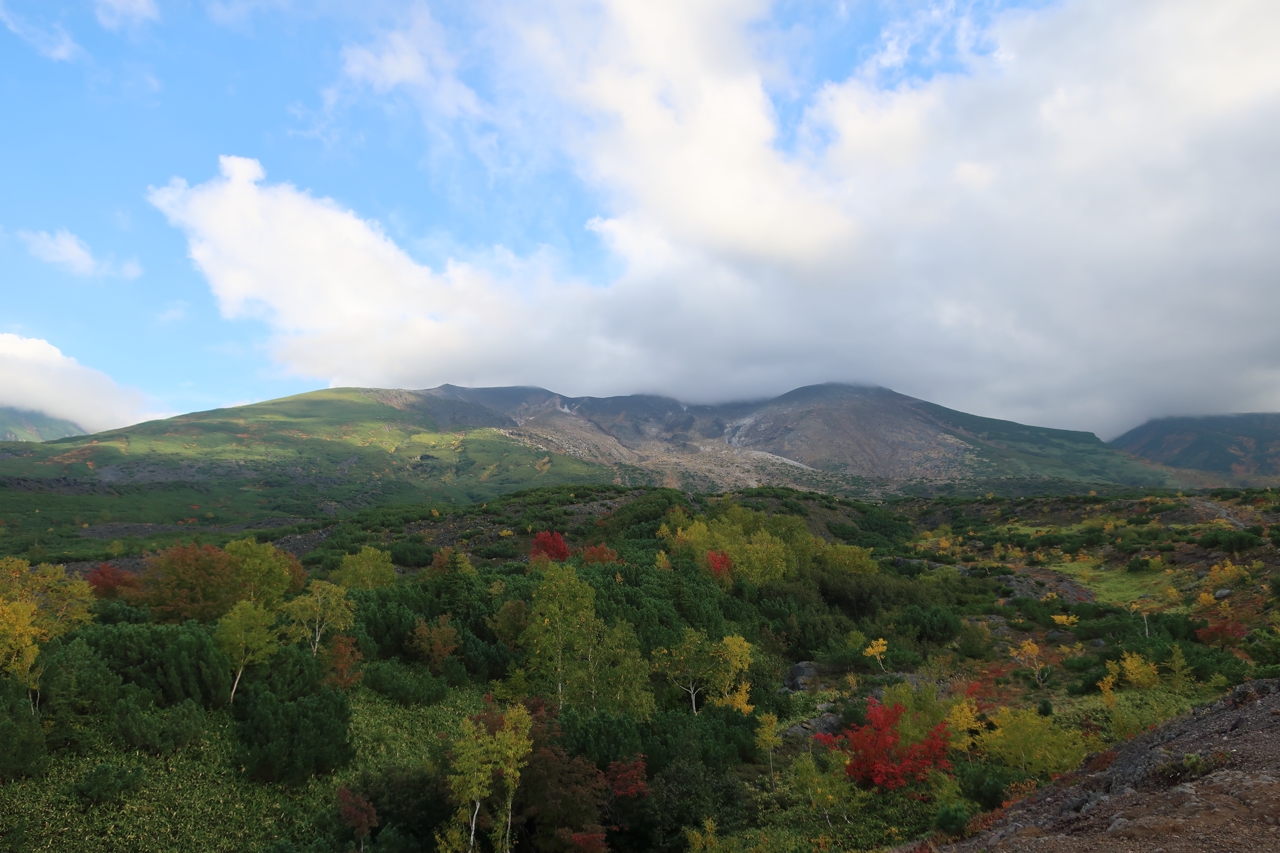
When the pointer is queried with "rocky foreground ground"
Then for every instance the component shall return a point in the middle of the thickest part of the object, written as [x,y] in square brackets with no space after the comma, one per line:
[1208,782]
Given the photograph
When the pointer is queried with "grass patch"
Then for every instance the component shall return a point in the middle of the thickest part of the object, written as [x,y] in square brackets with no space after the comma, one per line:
[1115,585]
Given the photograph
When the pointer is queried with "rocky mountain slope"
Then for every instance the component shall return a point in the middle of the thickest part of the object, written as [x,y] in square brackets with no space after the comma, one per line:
[1244,447]
[1208,782]
[818,436]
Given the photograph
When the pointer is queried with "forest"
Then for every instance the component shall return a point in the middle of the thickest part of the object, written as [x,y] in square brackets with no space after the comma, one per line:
[598,667]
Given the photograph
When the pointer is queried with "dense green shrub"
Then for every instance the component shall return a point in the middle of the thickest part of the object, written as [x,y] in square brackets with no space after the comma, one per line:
[107,783]
[1232,541]
[293,672]
[112,611]
[1138,565]
[288,742]
[499,551]
[602,737]
[412,804]
[159,732]
[686,794]
[22,742]
[937,625]
[386,616]
[75,682]
[404,684]
[975,641]
[986,784]
[413,555]
[172,663]
[952,818]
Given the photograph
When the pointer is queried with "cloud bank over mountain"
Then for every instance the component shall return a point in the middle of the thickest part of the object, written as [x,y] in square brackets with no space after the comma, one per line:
[1073,226]
[36,376]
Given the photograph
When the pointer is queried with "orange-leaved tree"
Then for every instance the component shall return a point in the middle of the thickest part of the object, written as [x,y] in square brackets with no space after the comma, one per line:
[188,582]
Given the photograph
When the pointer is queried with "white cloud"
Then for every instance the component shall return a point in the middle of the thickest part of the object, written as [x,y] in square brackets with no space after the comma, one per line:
[415,58]
[36,376]
[114,14]
[1077,229]
[66,250]
[52,43]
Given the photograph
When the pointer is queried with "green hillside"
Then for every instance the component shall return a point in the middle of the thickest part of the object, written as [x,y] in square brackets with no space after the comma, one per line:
[1017,451]
[311,456]
[1241,446]
[23,425]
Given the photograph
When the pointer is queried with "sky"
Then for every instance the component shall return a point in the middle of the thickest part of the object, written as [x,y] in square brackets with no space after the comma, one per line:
[1062,213]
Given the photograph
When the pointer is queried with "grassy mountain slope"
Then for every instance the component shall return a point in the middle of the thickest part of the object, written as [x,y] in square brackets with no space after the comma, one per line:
[23,425]
[340,450]
[1241,446]
[1010,449]
[299,457]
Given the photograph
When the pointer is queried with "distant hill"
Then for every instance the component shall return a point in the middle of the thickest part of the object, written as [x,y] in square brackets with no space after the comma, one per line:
[1242,446]
[23,425]
[339,450]
[821,436]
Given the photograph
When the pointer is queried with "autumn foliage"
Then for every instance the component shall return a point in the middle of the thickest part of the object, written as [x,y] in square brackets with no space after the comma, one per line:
[188,582]
[599,555]
[343,659]
[720,564]
[1223,633]
[434,642]
[549,544]
[108,581]
[357,813]
[628,778]
[874,753]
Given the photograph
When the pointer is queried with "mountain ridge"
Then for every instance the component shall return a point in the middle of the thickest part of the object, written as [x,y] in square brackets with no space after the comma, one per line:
[28,425]
[1244,446]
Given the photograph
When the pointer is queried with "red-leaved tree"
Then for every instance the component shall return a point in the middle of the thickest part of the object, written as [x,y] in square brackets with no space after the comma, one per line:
[107,581]
[343,659]
[583,842]
[628,778]
[357,813]
[599,554]
[874,754]
[188,582]
[1224,633]
[551,545]
[720,564]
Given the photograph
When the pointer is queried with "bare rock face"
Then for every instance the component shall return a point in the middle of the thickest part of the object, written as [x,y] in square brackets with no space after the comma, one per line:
[1209,781]
[811,436]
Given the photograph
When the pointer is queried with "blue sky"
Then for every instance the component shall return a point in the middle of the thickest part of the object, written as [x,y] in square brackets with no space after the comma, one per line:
[1007,208]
